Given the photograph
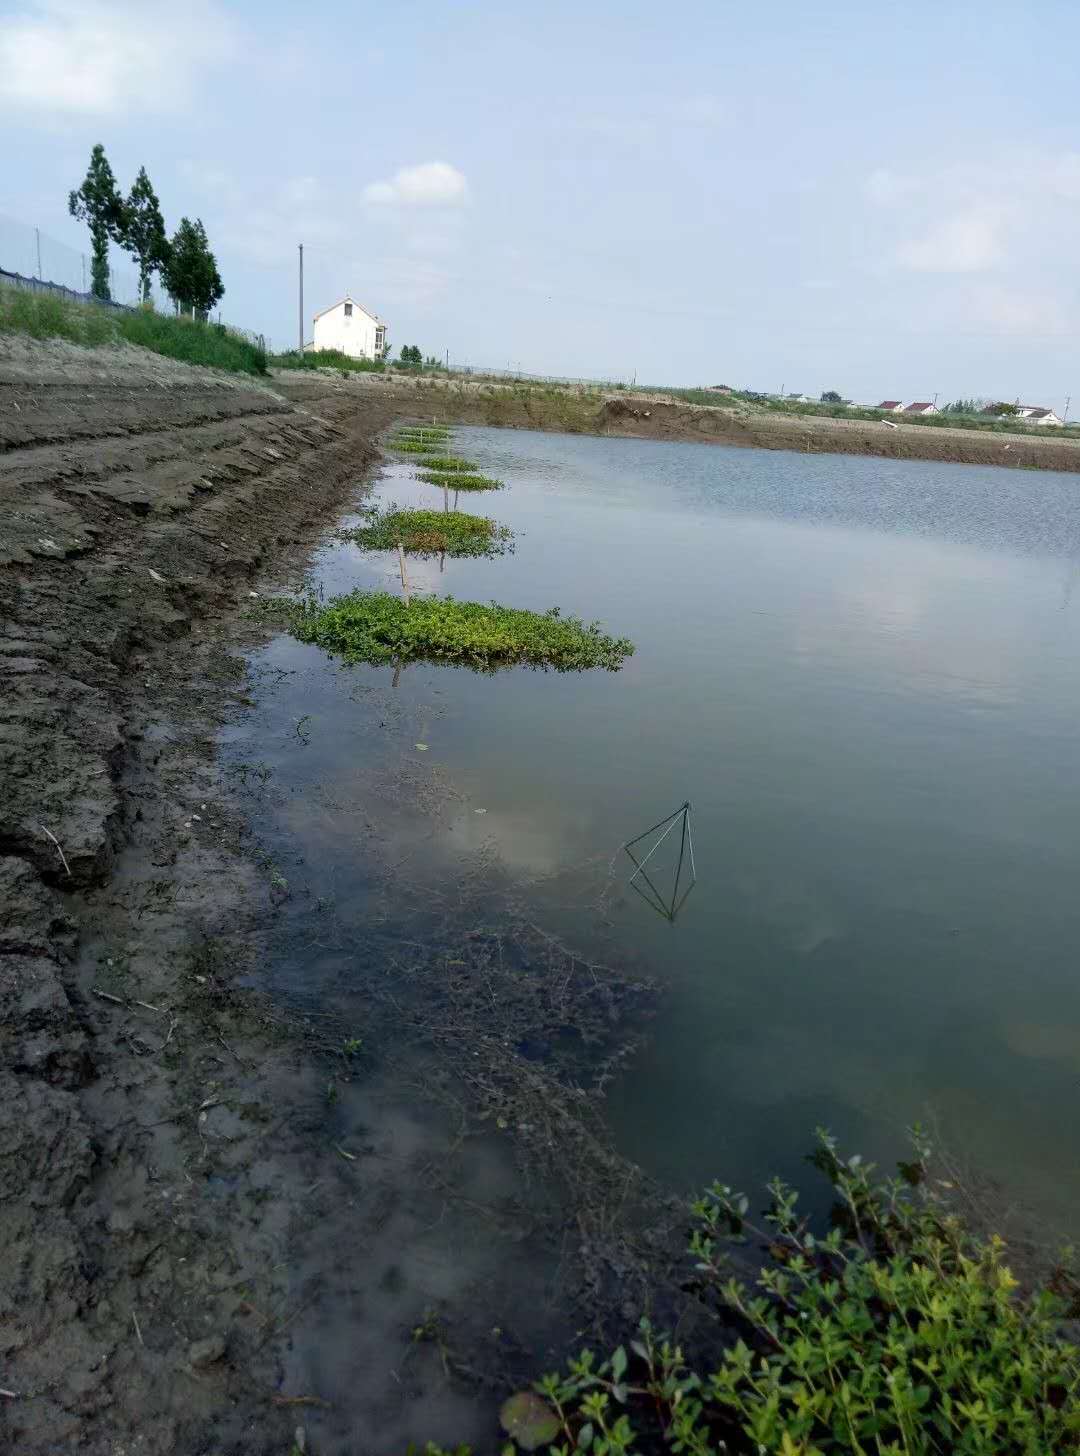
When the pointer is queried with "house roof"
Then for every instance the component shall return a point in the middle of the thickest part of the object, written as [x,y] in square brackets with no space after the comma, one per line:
[919,407]
[889,404]
[349,299]
[1035,411]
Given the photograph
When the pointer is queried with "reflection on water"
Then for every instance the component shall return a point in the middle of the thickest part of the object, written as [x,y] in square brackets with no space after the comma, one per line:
[863,674]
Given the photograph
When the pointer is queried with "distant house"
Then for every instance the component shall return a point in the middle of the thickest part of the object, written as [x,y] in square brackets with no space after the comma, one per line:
[719,388]
[355,330]
[920,407]
[797,399]
[1035,414]
[892,405]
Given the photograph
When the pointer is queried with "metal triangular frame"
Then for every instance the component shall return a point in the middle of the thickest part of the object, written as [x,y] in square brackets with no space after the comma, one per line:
[664,907]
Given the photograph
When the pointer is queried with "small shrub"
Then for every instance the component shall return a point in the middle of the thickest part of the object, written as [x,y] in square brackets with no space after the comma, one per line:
[897,1334]
[381,627]
[430,533]
[459,482]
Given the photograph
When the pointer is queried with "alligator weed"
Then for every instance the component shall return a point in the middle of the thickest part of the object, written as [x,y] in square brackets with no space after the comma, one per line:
[450,463]
[431,533]
[417,447]
[459,481]
[381,627]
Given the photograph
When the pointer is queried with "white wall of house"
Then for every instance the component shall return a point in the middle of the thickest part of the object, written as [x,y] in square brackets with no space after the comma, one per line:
[1029,416]
[349,327]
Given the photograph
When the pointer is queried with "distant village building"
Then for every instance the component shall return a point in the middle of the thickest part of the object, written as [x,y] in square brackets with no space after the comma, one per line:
[1031,414]
[892,405]
[920,407]
[1035,414]
[348,326]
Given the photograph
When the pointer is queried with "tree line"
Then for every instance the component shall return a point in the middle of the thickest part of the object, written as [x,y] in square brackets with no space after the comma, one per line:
[185,263]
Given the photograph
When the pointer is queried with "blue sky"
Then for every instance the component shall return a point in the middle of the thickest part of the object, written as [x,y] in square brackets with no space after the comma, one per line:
[881,200]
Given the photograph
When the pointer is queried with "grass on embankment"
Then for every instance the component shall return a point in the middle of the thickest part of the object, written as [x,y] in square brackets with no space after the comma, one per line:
[380,627]
[327,359]
[455,481]
[430,533]
[43,316]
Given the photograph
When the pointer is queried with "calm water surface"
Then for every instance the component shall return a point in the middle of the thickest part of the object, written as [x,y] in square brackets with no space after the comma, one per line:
[864,675]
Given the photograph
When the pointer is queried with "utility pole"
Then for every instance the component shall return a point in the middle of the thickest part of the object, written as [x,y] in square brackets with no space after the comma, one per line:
[300,343]
[37,236]
[1068,402]
[84,272]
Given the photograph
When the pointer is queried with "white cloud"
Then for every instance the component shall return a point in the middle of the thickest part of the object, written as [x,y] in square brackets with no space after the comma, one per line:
[967,242]
[429,184]
[106,57]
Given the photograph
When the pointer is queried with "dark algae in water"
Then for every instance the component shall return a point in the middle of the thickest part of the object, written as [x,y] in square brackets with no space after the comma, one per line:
[379,627]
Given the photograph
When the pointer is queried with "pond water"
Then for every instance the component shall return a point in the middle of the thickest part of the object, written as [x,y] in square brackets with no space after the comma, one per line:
[863,674]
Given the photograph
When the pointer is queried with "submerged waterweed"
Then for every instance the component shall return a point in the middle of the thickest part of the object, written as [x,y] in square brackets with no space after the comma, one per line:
[381,627]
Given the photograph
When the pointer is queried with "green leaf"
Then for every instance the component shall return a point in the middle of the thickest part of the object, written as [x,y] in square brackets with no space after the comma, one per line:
[529,1420]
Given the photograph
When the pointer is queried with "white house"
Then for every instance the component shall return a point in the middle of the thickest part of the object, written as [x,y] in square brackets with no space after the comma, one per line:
[894,406]
[920,407]
[1035,414]
[355,330]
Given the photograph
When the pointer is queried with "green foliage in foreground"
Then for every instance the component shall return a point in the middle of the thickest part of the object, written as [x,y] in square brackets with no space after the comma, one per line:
[327,359]
[459,482]
[43,316]
[381,627]
[429,533]
[898,1334]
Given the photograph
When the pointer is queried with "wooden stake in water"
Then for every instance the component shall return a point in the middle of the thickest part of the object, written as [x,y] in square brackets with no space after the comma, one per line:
[446,499]
[404,576]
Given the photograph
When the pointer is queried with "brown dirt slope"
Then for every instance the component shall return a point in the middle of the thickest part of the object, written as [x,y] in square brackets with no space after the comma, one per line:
[137,498]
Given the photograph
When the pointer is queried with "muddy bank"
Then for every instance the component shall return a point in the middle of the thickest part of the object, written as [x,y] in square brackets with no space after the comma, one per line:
[138,501]
[655,417]
[224,1217]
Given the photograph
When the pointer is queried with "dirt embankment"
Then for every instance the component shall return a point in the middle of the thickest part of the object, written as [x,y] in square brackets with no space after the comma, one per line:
[658,417]
[137,501]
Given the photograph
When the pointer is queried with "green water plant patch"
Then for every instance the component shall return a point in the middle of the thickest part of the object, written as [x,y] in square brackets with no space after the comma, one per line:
[430,533]
[459,481]
[451,464]
[381,627]
[416,447]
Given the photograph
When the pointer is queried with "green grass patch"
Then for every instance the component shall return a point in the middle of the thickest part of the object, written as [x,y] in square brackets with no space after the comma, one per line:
[381,627]
[423,432]
[327,359]
[417,447]
[457,481]
[430,533]
[450,463]
[43,316]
